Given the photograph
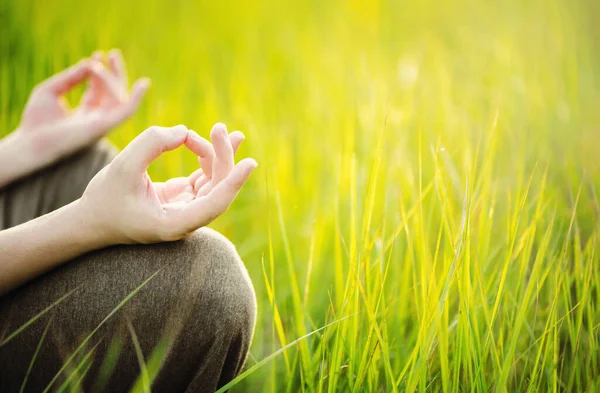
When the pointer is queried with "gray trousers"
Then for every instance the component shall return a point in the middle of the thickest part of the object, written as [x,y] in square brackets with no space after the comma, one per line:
[198,311]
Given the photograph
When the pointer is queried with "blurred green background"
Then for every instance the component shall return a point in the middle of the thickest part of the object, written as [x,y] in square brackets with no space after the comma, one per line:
[428,168]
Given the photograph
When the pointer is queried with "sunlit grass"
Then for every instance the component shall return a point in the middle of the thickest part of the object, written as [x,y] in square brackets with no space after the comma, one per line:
[428,176]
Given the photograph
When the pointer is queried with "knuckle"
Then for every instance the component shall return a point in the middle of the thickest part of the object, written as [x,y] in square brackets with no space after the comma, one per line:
[117,167]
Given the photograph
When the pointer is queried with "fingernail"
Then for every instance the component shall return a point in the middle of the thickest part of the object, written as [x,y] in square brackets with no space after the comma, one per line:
[220,130]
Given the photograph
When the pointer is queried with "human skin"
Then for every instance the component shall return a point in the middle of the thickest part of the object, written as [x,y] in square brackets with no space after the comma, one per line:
[121,204]
[50,130]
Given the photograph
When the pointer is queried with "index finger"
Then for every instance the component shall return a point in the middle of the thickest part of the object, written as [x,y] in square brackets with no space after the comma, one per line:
[65,80]
[203,149]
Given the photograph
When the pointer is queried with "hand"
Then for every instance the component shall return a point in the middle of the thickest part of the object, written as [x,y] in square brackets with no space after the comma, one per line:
[200,182]
[126,207]
[56,131]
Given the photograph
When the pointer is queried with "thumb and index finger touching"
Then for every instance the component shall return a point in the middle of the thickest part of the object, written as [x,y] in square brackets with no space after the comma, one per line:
[154,141]
[64,81]
[112,80]
[149,145]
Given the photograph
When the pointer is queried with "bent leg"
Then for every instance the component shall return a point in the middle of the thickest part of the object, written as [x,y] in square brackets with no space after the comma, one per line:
[200,301]
[53,187]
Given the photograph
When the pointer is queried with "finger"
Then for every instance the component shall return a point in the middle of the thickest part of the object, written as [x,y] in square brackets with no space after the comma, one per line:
[178,185]
[203,149]
[109,82]
[125,110]
[95,90]
[197,180]
[64,81]
[178,189]
[93,93]
[139,89]
[203,186]
[202,211]
[236,138]
[117,65]
[195,175]
[148,146]
[223,160]
[98,55]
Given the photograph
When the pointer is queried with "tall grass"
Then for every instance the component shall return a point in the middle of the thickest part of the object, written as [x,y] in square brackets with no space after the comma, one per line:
[426,212]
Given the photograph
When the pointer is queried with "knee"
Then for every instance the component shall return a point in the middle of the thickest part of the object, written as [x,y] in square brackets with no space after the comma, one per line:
[219,281]
[196,292]
[202,275]
[213,323]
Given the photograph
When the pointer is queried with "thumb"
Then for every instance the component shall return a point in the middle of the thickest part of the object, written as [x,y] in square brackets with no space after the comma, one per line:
[149,145]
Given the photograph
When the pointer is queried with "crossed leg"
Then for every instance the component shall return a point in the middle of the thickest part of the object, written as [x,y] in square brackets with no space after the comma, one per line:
[193,304]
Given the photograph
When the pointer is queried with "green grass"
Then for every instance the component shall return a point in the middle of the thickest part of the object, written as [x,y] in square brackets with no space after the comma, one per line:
[426,210]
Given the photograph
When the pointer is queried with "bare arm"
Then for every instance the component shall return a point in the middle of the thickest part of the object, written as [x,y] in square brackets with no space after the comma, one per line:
[32,248]
[121,205]
[16,158]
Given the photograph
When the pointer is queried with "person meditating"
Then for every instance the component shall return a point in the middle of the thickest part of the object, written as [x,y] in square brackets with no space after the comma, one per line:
[100,268]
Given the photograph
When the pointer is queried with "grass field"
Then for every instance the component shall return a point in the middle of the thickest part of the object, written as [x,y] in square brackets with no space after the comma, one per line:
[427,202]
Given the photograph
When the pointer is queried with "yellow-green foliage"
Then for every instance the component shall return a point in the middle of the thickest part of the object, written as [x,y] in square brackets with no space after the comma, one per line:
[428,181]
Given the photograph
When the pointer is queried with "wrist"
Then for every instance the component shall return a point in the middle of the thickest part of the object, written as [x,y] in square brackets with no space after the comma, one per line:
[17,158]
[43,243]
[93,233]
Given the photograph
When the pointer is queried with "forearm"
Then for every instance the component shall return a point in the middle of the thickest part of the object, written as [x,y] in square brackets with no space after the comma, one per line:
[30,249]
[17,158]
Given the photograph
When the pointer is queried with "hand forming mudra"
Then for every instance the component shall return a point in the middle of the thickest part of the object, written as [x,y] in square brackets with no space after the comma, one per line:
[54,130]
[129,208]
